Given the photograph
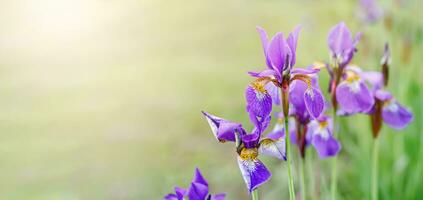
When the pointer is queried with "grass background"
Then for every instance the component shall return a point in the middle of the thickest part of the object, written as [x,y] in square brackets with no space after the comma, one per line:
[102,99]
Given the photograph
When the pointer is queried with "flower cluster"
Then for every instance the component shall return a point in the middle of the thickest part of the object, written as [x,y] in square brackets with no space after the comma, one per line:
[301,118]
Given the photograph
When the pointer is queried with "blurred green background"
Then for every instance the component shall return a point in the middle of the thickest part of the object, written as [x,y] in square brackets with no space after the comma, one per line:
[101,99]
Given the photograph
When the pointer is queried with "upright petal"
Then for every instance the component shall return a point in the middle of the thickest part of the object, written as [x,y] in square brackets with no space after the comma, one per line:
[275,148]
[259,102]
[340,39]
[354,97]
[292,43]
[197,191]
[326,147]
[314,102]
[254,172]
[264,42]
[222,129]
[276,52]
[395,115]
[251,140]
[198,178]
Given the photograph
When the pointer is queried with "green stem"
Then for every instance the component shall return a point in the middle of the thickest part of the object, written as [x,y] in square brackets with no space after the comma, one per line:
[254,195]
[334,159]
[288,158]
[375,168]
[302,178]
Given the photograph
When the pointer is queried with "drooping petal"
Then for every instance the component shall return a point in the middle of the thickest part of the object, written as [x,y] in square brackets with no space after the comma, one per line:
[395,115]
[276,52]
[292,43]
[259,102]
[314,102]
[222,129]
[218,197]
[264,42]
[326,147]
[354,97]
[275,148]
[254,172]
[197,191]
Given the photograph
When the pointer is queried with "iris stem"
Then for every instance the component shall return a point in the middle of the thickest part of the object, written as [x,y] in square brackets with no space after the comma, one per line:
[254,195]
[334,159]
[302,178]
[375,168]
[288,158]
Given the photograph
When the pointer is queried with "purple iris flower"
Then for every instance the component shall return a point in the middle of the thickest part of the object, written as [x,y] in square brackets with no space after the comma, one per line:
[391,111]
[342,44]
[386,107]
[198,190]
[352,93]
[280,56]
[249,147]
[320,130]
[347,87]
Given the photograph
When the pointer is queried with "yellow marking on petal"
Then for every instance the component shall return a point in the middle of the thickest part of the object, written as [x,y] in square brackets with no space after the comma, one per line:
[266,141]
[318,65]
[352,77]
[323,124]
[259,86]
[248,154]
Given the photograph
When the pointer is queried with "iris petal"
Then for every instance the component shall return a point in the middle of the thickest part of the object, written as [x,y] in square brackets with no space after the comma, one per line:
[259,102]
[276,52]
[396,116]
[222,129]
[314,102]
[197,191]
[254,172]
[264,42]
[274,148]
[326,147]
[354,97]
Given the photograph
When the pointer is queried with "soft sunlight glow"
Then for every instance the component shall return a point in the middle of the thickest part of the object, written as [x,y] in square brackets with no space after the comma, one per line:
[61,19]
